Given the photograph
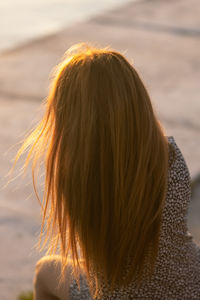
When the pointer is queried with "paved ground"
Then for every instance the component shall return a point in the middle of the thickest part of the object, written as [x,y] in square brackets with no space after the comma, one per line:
[162,38]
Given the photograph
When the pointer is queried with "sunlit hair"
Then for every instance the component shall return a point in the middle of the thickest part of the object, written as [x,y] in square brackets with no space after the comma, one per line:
[106,164]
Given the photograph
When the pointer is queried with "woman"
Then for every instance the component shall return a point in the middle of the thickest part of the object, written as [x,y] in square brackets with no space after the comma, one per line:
[116,188]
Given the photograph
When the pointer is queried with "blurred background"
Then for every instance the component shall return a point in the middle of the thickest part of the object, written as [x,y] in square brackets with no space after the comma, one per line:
[161,39]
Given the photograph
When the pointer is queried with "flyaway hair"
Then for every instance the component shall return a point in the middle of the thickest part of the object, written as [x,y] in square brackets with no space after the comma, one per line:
[106,165]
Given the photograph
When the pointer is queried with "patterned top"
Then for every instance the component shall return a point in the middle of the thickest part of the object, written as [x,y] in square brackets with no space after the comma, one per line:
[177,272]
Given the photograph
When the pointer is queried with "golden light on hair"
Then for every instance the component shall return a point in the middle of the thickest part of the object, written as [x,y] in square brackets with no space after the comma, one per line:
[106,162]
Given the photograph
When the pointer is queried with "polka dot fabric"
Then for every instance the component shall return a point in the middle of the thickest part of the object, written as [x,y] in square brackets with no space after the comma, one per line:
[177,272]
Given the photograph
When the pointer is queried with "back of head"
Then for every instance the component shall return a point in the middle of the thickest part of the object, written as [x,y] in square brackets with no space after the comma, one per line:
[106,165]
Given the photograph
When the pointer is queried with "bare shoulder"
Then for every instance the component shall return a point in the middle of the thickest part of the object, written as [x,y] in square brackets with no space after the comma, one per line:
[48,275]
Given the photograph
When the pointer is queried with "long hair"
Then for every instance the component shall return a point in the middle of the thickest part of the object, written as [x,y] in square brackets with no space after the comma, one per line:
[106,164]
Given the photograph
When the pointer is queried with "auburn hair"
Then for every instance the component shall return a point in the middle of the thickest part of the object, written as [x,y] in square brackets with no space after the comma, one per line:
[106,165]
